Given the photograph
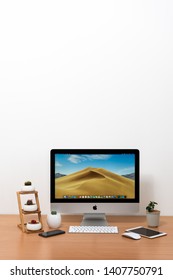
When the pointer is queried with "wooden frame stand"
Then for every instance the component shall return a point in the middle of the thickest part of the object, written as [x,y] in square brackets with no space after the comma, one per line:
[23,213]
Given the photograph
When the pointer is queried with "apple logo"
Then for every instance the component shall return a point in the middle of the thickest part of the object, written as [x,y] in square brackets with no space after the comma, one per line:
[95,207]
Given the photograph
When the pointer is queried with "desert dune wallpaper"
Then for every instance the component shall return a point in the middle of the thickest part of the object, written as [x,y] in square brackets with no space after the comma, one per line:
[108,176]
[94,182]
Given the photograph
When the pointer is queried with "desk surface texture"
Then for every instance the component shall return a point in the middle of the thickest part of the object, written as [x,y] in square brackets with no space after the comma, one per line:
[16,245]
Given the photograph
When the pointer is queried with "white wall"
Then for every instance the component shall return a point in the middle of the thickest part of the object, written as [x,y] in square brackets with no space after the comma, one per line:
[85,74]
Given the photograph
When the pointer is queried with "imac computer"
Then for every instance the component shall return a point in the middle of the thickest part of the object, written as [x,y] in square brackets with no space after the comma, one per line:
[94,182]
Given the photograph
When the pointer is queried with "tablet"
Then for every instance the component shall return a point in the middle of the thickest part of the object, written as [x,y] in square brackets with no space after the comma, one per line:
[146,232]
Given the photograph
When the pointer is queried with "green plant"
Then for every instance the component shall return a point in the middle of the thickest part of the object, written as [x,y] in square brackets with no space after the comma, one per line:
[53,212]
[150,207]
[27,183]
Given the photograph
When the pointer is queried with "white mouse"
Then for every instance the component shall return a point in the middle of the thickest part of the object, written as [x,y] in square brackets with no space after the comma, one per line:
[132,235]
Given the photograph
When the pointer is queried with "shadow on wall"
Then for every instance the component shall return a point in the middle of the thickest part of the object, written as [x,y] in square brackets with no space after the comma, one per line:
[147,192]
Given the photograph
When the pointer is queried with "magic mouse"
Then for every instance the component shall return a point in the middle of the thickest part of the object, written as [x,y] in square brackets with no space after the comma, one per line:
[132,235]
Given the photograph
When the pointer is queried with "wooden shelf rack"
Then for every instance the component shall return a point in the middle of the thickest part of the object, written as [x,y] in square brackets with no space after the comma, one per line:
[22,213]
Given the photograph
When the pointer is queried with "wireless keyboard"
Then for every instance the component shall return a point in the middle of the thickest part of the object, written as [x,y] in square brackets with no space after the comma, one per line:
[93,229]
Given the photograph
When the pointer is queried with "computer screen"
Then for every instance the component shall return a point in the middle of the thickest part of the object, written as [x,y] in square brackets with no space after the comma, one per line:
[100,180]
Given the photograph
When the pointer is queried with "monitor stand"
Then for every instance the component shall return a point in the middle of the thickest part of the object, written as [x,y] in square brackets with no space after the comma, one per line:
[92,219]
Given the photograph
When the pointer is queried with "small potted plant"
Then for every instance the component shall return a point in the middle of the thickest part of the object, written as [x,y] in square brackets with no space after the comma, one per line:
[29,206]
[28,186]
[54,219]
[33,225]
[153,215]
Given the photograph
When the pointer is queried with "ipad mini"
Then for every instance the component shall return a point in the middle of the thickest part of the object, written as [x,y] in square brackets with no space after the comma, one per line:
[146,232]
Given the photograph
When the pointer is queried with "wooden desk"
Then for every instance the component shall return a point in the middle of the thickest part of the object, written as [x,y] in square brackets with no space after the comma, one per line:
[16,245]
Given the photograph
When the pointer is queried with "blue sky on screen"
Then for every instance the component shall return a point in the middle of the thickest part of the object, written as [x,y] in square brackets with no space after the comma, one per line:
[121,163]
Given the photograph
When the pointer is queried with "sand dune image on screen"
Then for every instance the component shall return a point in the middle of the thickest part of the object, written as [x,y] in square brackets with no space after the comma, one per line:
[94,181]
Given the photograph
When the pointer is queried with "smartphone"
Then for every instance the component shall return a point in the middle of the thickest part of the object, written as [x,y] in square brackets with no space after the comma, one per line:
[51,233]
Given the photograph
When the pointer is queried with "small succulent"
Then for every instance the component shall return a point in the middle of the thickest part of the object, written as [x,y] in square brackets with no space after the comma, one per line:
[29,202]
[53,212]
[27,183]
[33,222]
[151,206]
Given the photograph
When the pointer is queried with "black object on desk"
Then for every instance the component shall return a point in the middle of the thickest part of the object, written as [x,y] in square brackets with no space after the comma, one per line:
[51,233]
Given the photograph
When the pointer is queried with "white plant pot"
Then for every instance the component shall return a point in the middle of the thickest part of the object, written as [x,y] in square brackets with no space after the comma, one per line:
[30,208]
[30,226]
[153,218]
[28,188]
[54,221]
